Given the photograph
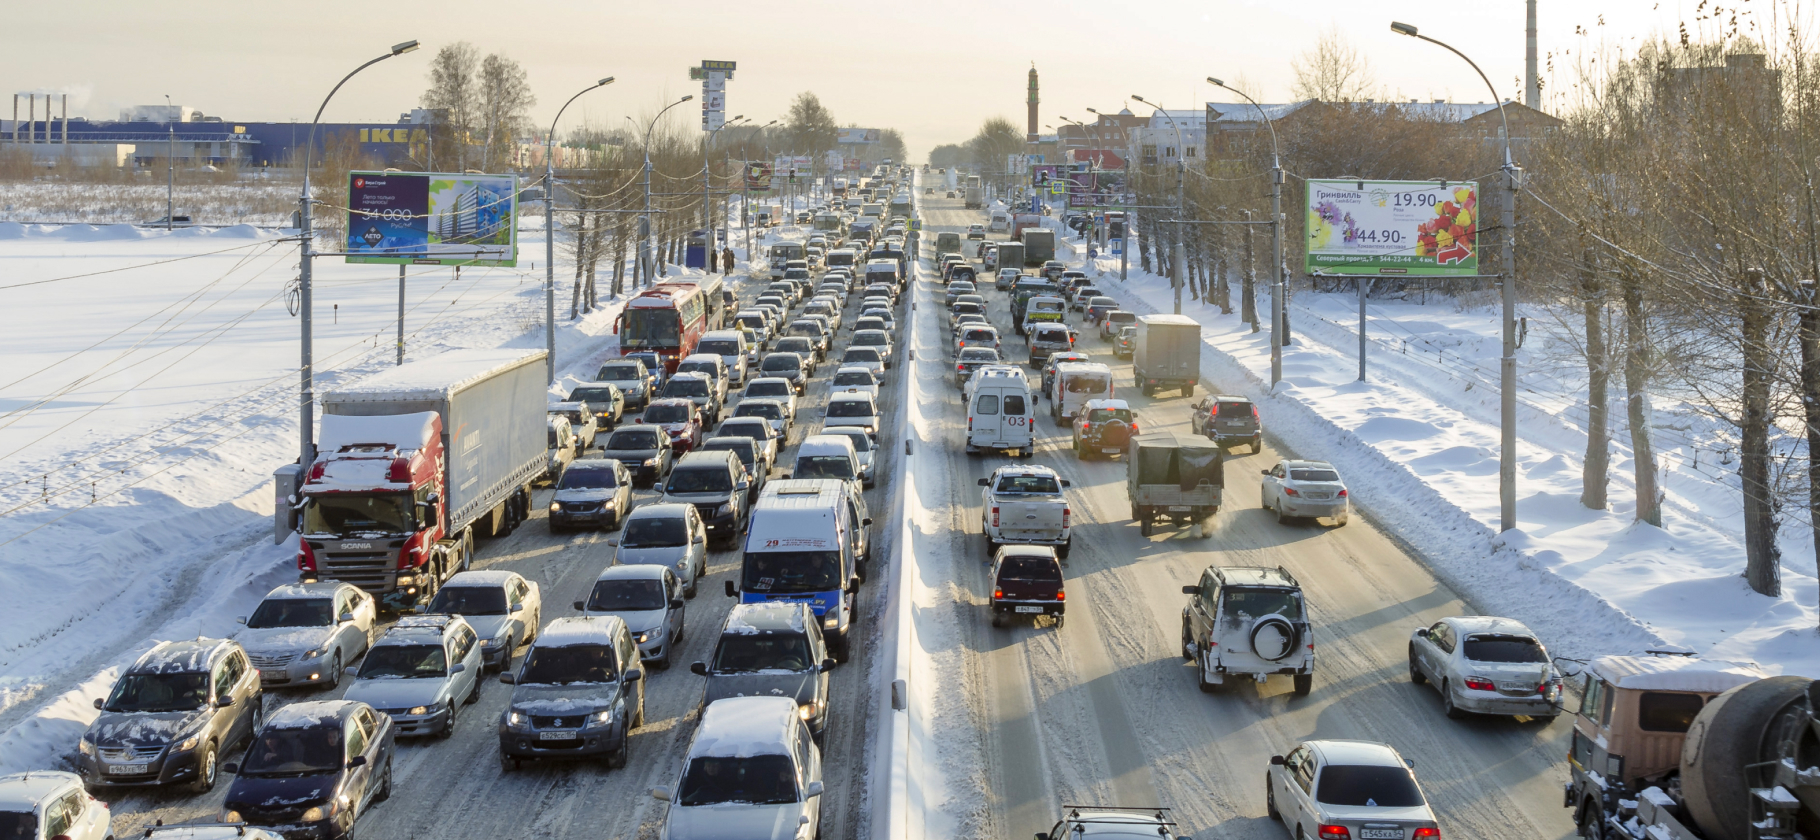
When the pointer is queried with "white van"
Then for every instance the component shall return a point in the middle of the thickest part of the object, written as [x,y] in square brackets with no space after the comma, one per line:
[752,762]
[807,541]
[733,348]
[1001,411]
[1074,384]
[826,456]
[1001,222]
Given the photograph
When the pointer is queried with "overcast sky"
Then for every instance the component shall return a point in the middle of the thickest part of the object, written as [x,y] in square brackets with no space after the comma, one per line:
[932,69]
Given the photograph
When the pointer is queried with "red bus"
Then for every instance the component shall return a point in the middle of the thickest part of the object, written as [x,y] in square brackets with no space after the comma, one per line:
[667,319]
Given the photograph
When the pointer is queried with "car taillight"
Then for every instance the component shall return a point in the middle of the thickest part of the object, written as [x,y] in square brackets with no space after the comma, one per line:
[1134,428]
[1254,412]
[1342,494]
[1061,596]
[1290,491]
[1480,684]
[995,516]
[998,593]
[959,368]
[317,470]
[1428,831]
[1335,832]
[1066,512]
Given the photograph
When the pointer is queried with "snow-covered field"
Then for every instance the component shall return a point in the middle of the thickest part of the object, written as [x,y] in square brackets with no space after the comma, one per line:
[251,200]
[1418,443]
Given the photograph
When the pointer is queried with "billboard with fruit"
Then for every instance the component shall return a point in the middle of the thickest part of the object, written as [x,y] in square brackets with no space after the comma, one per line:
[1392,227]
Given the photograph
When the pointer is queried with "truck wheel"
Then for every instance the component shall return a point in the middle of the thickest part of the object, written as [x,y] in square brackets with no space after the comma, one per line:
[1062,552]
[1304,683]
[1146,526]
[1188,390]
[1592,821]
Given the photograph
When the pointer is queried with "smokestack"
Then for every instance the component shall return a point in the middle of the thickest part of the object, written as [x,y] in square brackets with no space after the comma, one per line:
[1030,130]
[31,120]
[15,119]
[1532,85]
[66,119]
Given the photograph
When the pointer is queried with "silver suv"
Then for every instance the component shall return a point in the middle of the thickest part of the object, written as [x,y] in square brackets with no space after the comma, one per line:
[420,671]
[579,694]
[1250,621]
[171,715]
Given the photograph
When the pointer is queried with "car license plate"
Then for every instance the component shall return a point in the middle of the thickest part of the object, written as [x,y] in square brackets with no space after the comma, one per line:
[1173,508]
[126,769]
[1380,834]
[568,735]
[1033,610]
[270,674]
[1110,450]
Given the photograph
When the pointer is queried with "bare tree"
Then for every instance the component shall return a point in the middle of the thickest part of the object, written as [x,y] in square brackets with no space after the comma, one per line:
[505,110]
[1332,71]
[811,127]
[455,102]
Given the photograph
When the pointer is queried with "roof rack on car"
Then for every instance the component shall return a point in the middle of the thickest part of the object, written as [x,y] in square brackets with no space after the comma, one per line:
[1162,815]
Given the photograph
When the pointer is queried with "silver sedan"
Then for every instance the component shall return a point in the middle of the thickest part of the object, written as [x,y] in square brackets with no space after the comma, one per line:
[1485,665]
[1306,489]
[1360,790]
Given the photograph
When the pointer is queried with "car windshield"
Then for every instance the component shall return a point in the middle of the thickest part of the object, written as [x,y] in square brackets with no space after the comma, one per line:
[1089,383]
[601,397]
[1245,604]
[404,661]
[851,408]
[979,354]
[736,445]
[719,347]
[588,478]
[1123,317]
[980,335]
[632,439]
[469,600]
[783,572]
[1490,647]
[861,354]
[860,442]
[767,410]
[702,368]
[294,752]
[854,377]
[755,780]
[768,389]
[752,426]
[746,652]
[877,339]
[703,480]
[348,516]
[655,532]
[626,595]
[782,363]
[179,692]
[292,612]
[965,308]
[1030,568]
[1314,475]
[669,413]
[1060,336]
[686,387]
[1235,409]
[1102,415]
[1045,485]
[569,664]
[1360,785]
[824,466]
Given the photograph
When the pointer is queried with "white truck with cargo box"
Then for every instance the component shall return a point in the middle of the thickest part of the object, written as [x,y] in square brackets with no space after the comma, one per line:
[1001,411]
[1167,354]
[415,462]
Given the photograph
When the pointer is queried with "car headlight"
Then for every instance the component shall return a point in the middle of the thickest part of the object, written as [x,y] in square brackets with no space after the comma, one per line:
[189,743]
[85,746]
[419,710]
[644,637]
[312,654]
[601,718]
[515,718]
[871,430]
[725,509]
[831,621]
[807,710]
[488,642]
[650,462]
[555,507]
[229,815]
[316,814]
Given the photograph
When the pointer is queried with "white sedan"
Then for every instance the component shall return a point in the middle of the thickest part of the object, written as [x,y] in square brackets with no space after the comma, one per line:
[850,379]
[1360,790]
[1305,489]
[1485,665]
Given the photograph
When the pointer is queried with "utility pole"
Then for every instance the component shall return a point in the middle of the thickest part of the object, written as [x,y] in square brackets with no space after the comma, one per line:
[1279,319]
[401,313]
[646,252]
[306,397]
[170,162]
[549,238]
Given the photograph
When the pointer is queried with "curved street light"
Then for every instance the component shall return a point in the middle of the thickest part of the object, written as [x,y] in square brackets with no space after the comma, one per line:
[707,179]
[1507,247]
[1176,260]
[1278,312]
[307,398]
[549,234]
[646,254]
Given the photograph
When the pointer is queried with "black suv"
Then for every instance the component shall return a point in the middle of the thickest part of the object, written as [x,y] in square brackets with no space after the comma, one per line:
[1228,420]
[171,715]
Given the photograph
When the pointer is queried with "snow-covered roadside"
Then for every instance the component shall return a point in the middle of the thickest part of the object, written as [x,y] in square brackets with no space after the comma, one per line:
[187,547]
[1419,445]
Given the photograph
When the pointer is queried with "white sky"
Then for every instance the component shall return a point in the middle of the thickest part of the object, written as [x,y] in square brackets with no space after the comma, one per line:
[932,69]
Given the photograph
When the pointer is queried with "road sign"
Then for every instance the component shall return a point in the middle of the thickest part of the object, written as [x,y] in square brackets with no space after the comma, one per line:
[1392,227]
[1115,247]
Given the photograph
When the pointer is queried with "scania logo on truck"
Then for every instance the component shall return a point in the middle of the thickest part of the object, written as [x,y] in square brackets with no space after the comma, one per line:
[356,545]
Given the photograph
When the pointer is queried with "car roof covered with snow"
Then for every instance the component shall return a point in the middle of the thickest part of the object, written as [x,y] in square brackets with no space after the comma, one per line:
[184,657]
[767,617]
[739,727]
[1675,673]
[1489,624]
[1255,576]
[580,630]
[496,577]
[633,571]
[24,791]
[311,713]
[1367,753]
[319,589]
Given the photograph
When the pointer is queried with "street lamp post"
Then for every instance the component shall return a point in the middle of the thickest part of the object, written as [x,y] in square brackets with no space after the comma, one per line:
[549,235]
[707,207]
[745,201]
[307,398]
[1176,260]
[1507,248]
[170,160]
[646,257]
[1278,313]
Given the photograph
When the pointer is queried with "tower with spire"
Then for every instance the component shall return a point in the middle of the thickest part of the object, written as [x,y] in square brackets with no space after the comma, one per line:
[1031,133]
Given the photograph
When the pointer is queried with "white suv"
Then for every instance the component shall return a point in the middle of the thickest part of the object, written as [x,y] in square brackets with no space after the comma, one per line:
[1250,621]
[50,803]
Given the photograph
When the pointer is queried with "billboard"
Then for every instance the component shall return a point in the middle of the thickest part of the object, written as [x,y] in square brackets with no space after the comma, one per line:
[758,177]
[432,218]
[1392,227]
[857,135]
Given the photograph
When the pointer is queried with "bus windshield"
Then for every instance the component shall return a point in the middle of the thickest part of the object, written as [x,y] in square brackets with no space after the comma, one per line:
[651,328]
[785,572]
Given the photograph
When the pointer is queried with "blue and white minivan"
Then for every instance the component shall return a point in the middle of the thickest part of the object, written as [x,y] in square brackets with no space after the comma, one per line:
[807,541]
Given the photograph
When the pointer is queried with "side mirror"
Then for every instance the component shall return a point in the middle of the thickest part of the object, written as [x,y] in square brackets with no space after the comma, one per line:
[506,677]
[634,676]
[732,591]
[828,664]
[357,761]
[1191,589]
[744,484]
[1067,483]
[813,790]
[784,476]
[1422,632]
[578,606]
[518,608]
[1042,835]
[1410,763]
[676,603]
[660,793]
[1276,761]
[1263,472]
[99,703]
[985,482]
[240,619]
[699,669]
[225,701]
[866,521]
[458,668]
[613,541]
[231,768]
[347,617]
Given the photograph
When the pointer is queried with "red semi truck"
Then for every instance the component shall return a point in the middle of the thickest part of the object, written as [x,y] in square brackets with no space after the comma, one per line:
[416,462]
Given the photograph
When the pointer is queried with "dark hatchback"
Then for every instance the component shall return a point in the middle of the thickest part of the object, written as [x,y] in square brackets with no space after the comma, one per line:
[312,769]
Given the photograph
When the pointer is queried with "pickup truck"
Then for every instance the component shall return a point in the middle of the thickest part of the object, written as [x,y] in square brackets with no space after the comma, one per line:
[1024,505]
